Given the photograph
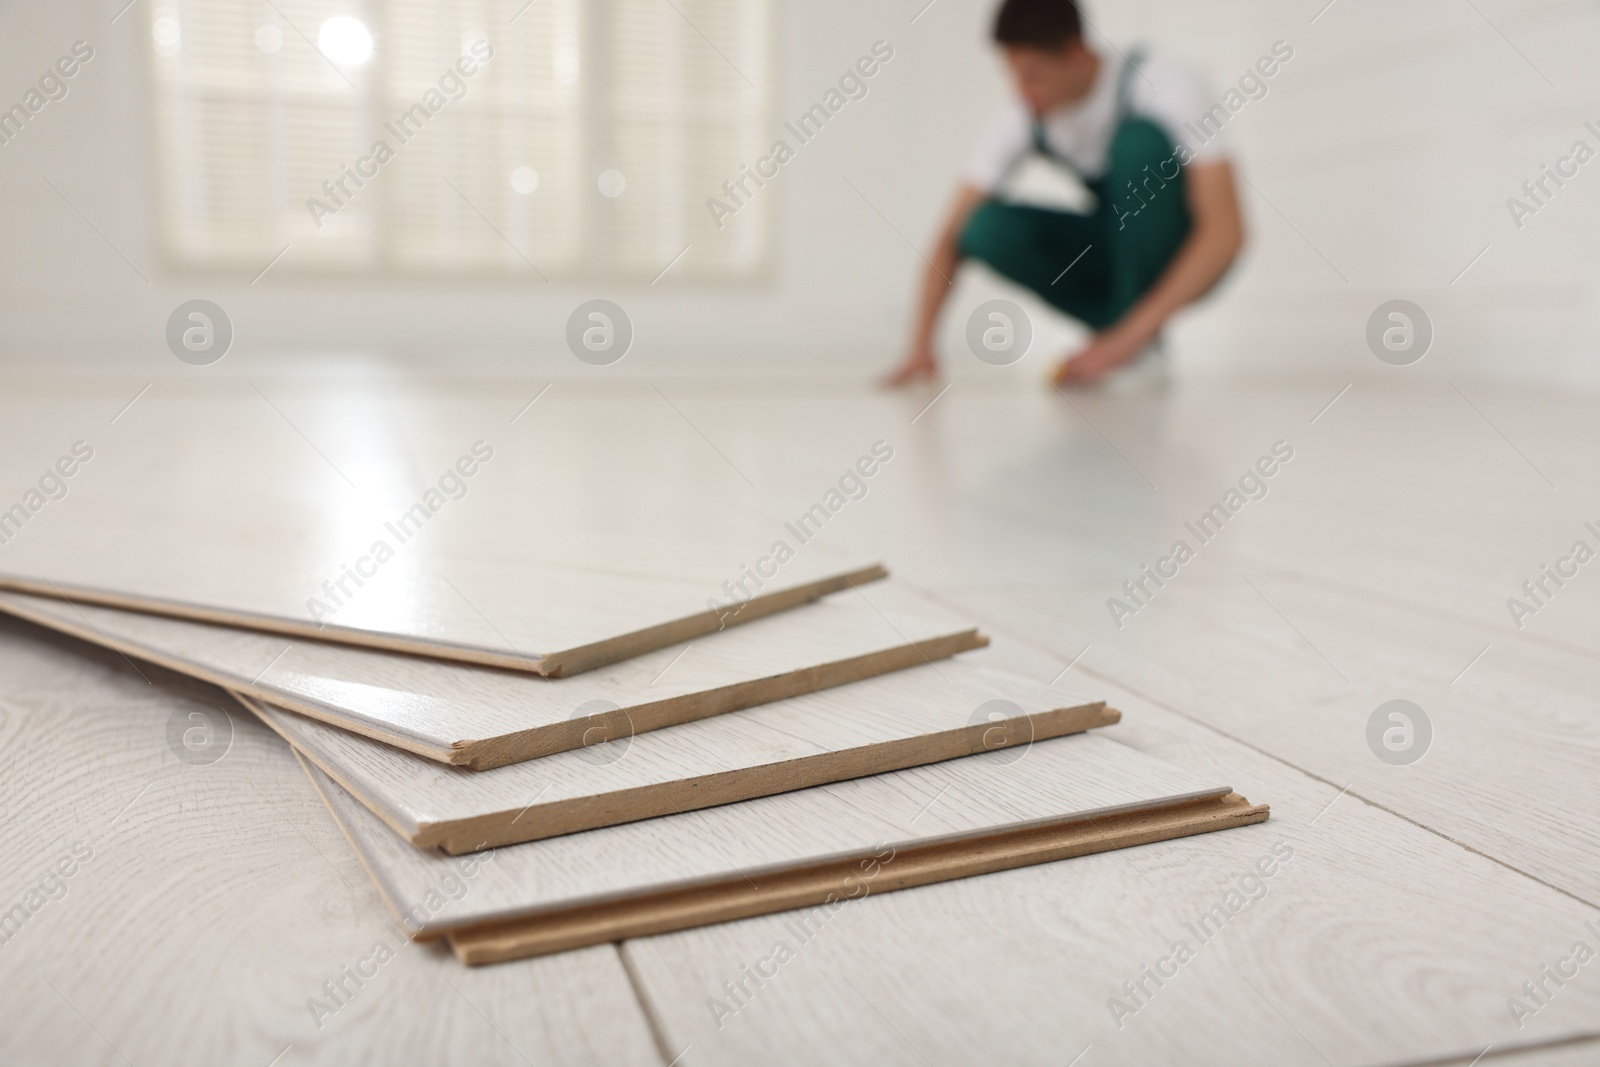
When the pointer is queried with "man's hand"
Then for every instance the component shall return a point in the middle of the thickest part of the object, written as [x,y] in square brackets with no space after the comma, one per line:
[1211,245]
[1104,353]
[919,365]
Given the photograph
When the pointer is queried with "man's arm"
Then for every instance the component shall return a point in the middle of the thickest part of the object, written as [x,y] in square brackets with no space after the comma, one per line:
[1212,244]
[920,362]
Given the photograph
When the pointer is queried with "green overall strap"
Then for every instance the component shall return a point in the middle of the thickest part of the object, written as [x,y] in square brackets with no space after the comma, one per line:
[1041,146]
[1124,102]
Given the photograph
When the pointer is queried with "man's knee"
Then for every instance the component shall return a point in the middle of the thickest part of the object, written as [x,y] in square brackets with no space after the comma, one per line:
[993,233]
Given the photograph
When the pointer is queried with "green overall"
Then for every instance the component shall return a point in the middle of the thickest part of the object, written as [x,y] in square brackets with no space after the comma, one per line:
[1116,253]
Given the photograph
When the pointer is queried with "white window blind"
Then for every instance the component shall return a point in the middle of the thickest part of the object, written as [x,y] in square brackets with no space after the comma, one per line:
[585,145]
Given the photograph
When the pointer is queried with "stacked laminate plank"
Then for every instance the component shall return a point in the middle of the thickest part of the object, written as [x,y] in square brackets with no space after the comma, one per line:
[660,768]
[462,714]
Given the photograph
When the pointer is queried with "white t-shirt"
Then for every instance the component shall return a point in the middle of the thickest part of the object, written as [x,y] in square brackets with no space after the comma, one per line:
[1166,93]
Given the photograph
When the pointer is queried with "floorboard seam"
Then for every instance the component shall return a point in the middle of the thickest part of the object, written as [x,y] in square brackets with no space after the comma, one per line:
[1160,703]
[1351,792]
[1372,596]
[1494,1053]
[658,1029]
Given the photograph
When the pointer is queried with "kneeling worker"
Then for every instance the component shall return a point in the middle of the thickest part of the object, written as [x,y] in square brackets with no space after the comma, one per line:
[1165,223]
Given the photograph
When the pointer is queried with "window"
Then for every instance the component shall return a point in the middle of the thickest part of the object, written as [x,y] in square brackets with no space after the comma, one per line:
[560,138]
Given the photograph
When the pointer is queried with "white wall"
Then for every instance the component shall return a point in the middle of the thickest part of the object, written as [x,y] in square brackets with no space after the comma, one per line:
[1387,149]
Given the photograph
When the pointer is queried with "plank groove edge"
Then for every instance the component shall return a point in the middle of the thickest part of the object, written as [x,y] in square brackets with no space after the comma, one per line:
[832,883]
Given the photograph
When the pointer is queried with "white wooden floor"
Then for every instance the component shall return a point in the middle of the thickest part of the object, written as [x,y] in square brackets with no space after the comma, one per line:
[1416,900]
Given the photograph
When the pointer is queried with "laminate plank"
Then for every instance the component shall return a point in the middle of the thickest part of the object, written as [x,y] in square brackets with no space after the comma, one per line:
[1346,936]
[1417,496]
[316,514]
[483,718]
[209,907]
[1505,746]
[921,715]
[1398,947]
[822,888]
[659,614]
[1047,783]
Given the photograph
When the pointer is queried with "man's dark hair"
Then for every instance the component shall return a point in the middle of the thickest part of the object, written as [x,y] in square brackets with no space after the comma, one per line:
[1037,23]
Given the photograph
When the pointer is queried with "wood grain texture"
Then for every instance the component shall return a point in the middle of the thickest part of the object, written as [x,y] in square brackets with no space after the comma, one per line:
[826,888]
[920,715]
[558,552]
[218,899]
[482,718]
[1372,918]
[607,604]
[1046,783]
[1396,935]
[1514,739]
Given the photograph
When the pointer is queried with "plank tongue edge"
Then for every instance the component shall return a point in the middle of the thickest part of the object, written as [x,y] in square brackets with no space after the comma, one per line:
[847,880]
